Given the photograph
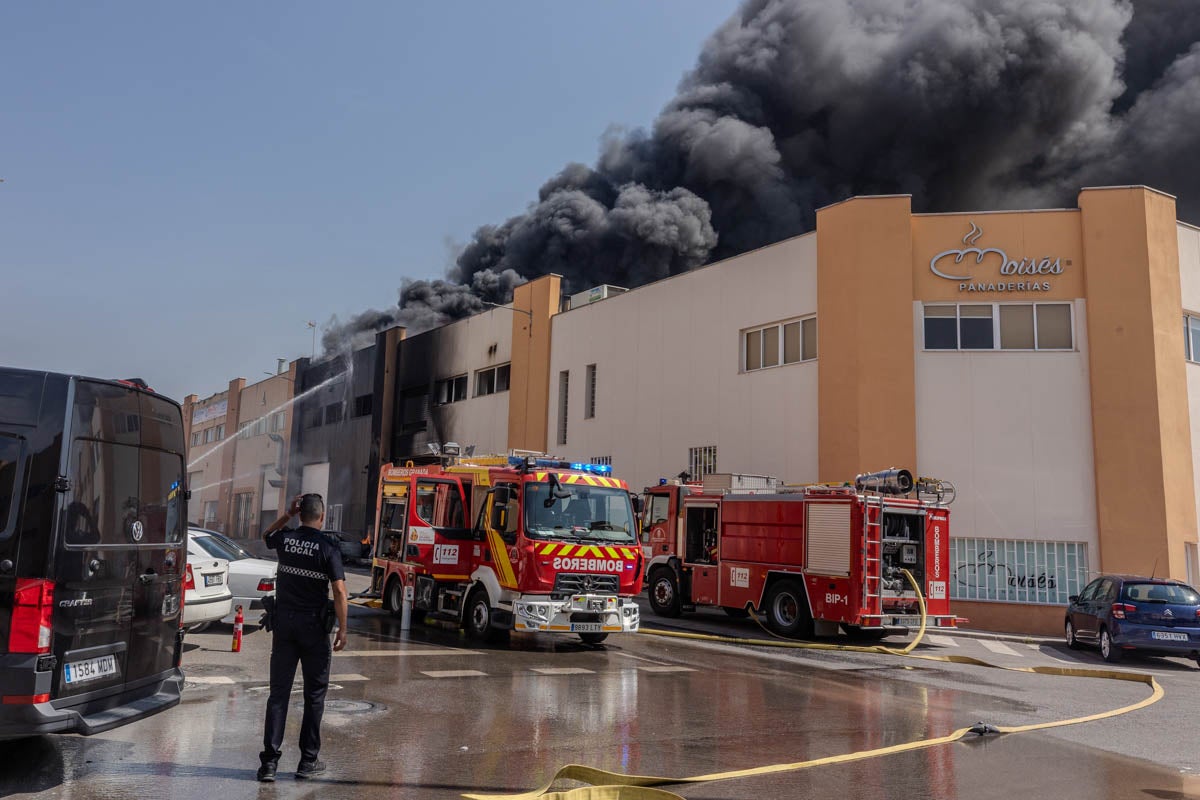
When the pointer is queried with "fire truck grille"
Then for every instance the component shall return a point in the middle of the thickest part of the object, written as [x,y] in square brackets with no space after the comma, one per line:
[566,584]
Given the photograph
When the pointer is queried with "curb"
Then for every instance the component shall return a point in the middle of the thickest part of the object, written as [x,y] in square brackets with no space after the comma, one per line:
[1021,638]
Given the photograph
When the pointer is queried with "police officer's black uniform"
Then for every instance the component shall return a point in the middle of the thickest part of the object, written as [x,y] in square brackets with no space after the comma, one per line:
[308,561]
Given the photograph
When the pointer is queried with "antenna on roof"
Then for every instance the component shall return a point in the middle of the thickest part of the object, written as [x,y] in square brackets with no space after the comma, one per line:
[1155,568]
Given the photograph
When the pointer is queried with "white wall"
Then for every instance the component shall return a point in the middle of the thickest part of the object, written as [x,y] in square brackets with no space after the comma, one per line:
[1189,284]
[669,377]
[1013,432]
[464,347]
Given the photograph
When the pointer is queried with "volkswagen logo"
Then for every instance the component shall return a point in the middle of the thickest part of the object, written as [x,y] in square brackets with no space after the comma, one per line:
[136,530]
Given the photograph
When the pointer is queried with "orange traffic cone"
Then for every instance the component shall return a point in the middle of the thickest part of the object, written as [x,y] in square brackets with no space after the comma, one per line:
[237,631]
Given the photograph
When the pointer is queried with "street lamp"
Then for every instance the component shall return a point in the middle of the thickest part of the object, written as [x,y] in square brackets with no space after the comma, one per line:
[515,311]
[313,325]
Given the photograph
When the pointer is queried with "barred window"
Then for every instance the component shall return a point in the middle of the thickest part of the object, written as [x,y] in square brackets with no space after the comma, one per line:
[702,461]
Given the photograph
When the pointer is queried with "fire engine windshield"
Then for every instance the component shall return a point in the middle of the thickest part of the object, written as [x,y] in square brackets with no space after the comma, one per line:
[578,512]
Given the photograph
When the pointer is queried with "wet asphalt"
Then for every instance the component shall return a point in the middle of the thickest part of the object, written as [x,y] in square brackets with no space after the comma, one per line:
[425,714]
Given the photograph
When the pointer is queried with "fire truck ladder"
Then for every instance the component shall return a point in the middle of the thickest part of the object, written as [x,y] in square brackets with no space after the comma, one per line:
[873,555]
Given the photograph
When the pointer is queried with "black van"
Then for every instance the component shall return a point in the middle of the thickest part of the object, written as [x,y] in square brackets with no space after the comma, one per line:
[93,515]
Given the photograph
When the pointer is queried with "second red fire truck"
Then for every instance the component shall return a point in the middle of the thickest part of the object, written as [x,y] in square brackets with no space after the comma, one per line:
[500,543]
[809,558]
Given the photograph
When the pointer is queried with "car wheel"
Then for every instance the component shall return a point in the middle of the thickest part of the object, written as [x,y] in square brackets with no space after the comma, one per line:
[1072,642]
[664,593]
[1111,653]
[787,611]
[593,638]
[199,627]
[393,597]
[736,613]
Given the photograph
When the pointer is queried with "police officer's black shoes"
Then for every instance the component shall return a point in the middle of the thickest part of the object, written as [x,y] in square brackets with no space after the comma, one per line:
[310,769]
[266,773]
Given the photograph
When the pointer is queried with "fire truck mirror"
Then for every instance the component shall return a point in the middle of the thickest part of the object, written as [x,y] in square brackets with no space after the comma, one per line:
[636,500]
[499,516]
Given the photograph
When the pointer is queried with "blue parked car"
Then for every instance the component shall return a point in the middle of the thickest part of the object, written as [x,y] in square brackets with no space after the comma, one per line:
[1120,613]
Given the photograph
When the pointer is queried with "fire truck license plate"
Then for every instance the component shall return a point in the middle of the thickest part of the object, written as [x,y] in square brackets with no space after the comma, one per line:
[585,627]
[907,622]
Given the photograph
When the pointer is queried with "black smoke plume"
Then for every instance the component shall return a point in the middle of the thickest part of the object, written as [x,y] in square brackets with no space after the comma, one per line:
[795,104]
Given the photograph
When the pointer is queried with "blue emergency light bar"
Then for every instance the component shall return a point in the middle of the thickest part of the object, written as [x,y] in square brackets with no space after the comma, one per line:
[532,462]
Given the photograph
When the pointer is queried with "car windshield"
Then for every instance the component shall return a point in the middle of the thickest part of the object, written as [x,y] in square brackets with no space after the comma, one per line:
[218,549]
[586,513]
[1171,593]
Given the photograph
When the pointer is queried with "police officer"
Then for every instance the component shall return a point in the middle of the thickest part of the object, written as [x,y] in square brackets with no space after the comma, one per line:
[309,561]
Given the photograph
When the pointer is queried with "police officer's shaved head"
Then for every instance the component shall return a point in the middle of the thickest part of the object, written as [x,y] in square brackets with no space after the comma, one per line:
[312,508]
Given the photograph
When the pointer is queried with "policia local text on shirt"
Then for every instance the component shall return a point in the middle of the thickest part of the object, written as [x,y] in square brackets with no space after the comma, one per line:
[309,563]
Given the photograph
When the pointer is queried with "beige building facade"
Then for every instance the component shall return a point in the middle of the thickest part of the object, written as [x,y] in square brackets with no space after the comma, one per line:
[1045,362]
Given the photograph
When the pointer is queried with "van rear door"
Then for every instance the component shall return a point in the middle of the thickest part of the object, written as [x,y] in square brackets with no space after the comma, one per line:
[118,565]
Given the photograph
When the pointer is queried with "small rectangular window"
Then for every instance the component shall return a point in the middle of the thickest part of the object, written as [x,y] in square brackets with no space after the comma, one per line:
[754,350]
[564,379]
[196,439]
[809,351]
[485,382]
[333,413]
[1016,327]
[941,328]
[260,426]
[316,417]
[502,377]
[1054,326]
[771,346]
[791,343]
[975,328]
[701,461]
[363,405]
[589,408]
[460,388]
[279,420]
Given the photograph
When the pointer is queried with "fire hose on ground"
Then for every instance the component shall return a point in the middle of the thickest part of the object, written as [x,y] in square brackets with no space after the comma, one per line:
[605,785]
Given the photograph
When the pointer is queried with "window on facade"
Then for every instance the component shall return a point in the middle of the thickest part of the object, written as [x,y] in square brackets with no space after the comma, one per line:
[491,380]
[415,409]
[783,343]
[316,417]
[1191,337]
[210,514]
[196,439]
[999,326]
[363,405]
[278,420]
[589,406]
[450,390]
[702,461]
[244,430]
[333,413]
[260,426]
[607,460]
[564,381]
[208,434]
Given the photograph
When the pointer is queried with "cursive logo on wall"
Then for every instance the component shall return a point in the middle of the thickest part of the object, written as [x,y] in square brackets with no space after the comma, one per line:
[952,264]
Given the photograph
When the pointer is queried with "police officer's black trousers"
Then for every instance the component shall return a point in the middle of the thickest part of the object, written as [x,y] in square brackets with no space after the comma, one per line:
[298,637]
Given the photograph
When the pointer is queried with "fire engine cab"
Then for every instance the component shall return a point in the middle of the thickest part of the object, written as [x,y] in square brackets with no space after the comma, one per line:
[810,558]
[553,546]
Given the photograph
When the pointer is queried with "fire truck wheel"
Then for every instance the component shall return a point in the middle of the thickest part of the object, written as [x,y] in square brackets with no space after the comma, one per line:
[736,613]
[478,620]
[664,593]
[593,638]
[787,611]
[394,597]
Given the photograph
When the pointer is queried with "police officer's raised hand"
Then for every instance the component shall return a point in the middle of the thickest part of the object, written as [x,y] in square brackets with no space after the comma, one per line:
[294,508]
[339,639]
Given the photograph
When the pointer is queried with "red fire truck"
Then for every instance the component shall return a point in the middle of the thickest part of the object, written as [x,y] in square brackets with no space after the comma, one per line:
[553,546]
[810,558]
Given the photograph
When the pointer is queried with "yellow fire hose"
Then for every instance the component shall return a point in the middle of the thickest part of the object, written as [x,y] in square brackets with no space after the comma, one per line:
[605,785]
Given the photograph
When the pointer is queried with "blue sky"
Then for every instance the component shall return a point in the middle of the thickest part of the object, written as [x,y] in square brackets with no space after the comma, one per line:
[186,184]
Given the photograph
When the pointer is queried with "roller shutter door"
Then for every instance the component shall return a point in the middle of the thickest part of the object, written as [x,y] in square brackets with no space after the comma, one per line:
[828,538]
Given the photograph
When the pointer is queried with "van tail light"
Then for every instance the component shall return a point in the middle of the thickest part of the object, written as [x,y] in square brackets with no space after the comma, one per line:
[189,580]
[266,585]
[1119,610]
[33,606]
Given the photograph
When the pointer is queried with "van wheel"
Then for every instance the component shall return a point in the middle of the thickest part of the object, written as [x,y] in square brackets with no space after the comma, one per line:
[664,593]
[593,638]
[736,613]
[393,598]
[787,611]
[1111,653]
[478,620]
